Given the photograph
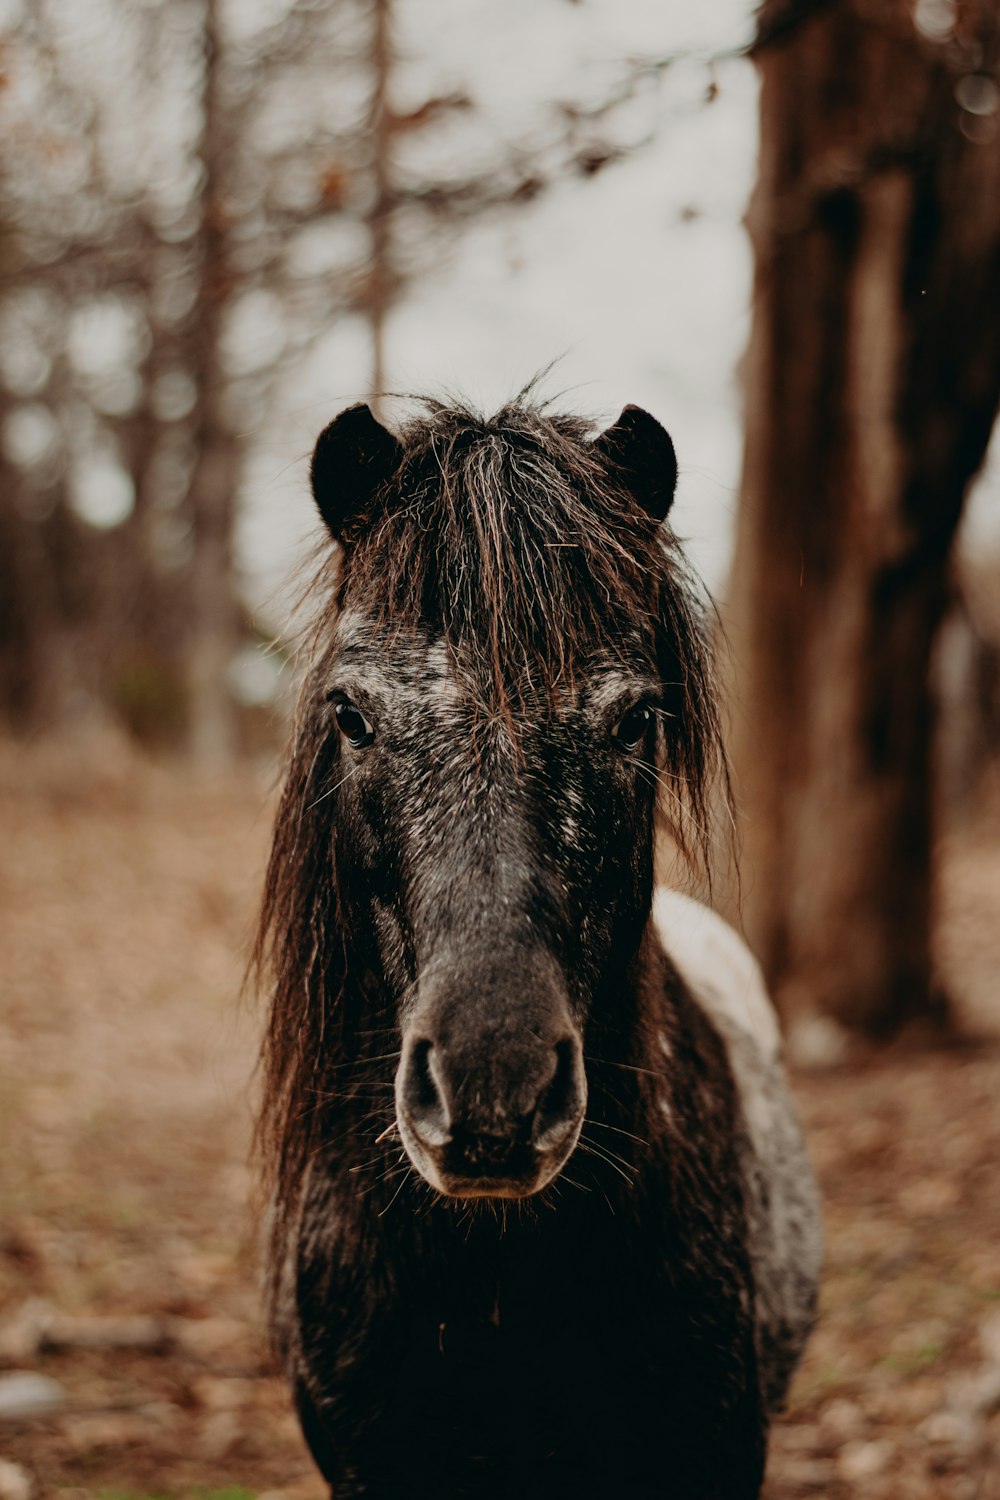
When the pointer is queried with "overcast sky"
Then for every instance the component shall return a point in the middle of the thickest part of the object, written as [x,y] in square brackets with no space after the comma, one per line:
[636,281]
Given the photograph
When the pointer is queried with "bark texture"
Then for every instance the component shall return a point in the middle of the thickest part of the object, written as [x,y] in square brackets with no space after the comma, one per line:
[872,383]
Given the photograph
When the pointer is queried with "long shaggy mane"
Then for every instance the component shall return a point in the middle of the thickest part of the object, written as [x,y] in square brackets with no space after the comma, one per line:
[512,539]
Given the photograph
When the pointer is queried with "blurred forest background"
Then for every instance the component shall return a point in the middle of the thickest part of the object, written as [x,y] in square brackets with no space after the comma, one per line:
[221,221]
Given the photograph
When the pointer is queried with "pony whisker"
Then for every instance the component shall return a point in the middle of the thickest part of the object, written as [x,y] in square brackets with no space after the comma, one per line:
[589,1146]
[343,780]
[408,1174]
[601,1125]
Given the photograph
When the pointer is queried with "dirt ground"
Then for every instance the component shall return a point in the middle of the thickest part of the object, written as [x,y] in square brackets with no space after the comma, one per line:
[127,1262]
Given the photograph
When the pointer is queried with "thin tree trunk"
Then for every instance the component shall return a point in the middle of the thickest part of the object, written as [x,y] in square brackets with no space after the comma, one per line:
[380,286]
[36,661]
[872,383]
[50,565]
[212,627]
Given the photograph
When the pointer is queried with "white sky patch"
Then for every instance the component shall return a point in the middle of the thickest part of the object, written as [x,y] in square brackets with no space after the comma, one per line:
[327,248]
[254,676]
[254,334]
[102,337]
[30,434]
[101,491]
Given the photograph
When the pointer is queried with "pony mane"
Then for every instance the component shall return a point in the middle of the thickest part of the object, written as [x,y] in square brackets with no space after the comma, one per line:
[510,538]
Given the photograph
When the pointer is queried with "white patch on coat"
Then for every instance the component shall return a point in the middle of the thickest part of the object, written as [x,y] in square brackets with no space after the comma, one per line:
[718,966]
[783,1217]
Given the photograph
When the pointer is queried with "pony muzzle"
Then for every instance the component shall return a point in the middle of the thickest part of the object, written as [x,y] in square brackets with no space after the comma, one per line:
[500,1120]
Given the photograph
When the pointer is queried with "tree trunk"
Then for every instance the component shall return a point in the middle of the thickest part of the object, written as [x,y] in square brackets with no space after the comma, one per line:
[52,570]
[872,383]
[381,278]
[213,622]
[37,663]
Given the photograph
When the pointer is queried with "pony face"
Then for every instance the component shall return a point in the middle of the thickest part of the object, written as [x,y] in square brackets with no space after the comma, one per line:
[508,664]
[504,865]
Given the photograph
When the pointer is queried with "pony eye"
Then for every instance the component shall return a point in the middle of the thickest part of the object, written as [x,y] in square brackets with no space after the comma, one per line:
[353,725]
[632,726]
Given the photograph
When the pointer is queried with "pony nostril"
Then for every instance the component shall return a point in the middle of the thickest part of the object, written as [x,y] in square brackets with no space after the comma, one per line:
[424,1089]
[559,1109]
[423,1098]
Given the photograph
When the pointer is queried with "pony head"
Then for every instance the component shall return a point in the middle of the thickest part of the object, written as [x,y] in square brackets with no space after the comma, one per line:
[508,677]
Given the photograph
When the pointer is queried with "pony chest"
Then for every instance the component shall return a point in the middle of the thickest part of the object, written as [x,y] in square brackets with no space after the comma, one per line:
[546,1332]
[526,1371]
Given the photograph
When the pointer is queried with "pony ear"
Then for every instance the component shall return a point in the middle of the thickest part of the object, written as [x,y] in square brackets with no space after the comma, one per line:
[353,456]
[642,452]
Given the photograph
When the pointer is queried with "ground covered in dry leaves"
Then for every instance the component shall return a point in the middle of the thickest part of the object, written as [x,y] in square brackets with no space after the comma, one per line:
[127,1263]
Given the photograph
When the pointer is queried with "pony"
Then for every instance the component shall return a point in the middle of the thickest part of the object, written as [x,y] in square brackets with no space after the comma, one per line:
[543,1224]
